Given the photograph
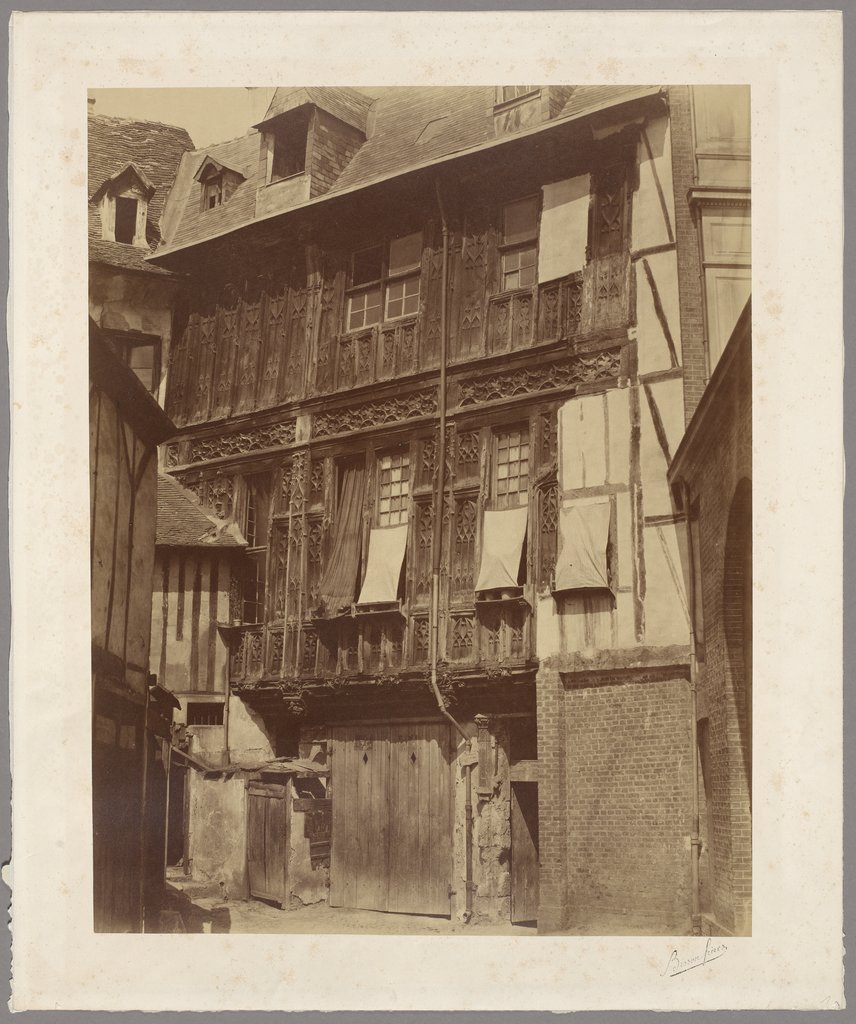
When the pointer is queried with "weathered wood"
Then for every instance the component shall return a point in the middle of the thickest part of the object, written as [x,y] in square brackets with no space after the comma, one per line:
[524,851]
[392,787]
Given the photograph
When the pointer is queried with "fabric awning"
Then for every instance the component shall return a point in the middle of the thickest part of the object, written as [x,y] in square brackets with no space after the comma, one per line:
[502,547]
[387,545]
[583,538]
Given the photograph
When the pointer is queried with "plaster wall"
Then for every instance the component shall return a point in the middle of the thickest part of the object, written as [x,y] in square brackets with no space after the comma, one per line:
[134,301]
[218,831]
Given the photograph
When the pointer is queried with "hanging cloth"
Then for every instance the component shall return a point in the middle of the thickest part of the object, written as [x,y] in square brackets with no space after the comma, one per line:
[503,535]
[387,545]
[339,580]
[583,538]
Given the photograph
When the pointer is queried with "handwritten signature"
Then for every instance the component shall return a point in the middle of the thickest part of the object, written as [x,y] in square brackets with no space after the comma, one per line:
[677,966]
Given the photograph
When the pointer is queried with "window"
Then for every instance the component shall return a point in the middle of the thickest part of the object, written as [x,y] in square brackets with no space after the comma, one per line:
[213,193]
[393,488]
[511,468]
[512,92]
[519,244]
[142,353]
[256,533]
[385,281]
[289,147]
[142,359]
[205,714]
[126,220]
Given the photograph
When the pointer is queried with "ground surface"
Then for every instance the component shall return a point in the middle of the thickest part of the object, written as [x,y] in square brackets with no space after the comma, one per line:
[195,907]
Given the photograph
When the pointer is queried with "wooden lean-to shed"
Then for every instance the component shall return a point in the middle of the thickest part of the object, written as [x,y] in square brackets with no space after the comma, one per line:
[288,832]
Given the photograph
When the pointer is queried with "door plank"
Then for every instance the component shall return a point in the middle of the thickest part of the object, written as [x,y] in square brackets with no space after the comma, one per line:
[524,851]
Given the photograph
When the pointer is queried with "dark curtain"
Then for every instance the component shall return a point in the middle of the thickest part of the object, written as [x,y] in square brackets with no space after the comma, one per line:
[339,581]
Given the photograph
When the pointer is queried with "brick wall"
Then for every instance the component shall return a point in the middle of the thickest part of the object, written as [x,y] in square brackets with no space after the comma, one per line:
[615,805]
[686,237]
[552,811]
[629,806]
[719,477]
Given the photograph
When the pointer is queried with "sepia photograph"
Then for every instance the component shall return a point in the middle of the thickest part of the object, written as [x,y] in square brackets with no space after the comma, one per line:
[426,511]
[421,518]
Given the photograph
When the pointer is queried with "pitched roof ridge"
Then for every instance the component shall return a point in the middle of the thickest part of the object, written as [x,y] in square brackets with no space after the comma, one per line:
[225,142]
[116,118]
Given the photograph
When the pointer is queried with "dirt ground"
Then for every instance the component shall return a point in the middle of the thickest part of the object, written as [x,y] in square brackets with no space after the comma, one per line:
[194,907]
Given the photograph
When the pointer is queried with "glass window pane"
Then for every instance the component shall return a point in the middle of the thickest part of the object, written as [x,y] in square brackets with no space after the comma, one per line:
[520,221]
[405,252]
[367,265]
[526,277]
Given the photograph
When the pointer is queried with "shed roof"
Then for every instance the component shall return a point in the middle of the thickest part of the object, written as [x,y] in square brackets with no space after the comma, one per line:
[154,150]
[182,522]
[461,120]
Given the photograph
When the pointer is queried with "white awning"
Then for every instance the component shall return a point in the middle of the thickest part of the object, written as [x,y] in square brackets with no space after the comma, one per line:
[387,545]
[502,546]
[583,537]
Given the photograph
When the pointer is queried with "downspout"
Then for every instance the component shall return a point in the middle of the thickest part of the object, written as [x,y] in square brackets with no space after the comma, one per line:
[695,837]
[437,541]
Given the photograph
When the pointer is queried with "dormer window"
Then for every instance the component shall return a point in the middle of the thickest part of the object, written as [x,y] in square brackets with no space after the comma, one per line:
[287,143]
[217,182]
[213,193]
[123,202]
[506,93]
[125,228]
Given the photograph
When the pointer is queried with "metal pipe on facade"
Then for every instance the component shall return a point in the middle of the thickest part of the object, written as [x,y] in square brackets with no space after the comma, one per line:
[695,837]
[437,538]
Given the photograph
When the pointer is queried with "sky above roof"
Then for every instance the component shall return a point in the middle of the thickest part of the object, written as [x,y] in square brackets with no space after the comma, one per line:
[209,115]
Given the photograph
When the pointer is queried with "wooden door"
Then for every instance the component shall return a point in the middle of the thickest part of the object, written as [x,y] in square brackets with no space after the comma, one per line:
[392,818]
[524,851]
[266,841]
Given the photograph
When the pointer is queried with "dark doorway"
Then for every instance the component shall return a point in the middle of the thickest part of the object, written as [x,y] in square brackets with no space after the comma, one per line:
[175,818]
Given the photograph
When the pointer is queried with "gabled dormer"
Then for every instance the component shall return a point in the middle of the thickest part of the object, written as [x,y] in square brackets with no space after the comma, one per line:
[217,183]
[516,107]
[309,136]
[123,202]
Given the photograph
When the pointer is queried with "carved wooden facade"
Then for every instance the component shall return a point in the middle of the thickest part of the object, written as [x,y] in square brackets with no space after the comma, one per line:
[267,378]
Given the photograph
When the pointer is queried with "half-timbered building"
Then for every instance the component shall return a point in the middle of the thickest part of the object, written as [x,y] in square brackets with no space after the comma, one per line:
[439,347]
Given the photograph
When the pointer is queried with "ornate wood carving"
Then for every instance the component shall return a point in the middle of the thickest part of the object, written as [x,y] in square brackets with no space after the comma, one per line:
[462,636]
[241,442]
[510,321]
[531,379]
[606,293]
[375,414]
[250,347]
[218,495]
[345,369]
[421,571]
[462,576]
[275,342]
[548,524]
[420,638]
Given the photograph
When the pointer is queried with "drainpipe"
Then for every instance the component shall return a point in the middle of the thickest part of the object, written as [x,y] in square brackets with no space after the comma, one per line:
[439,496]
[695,837]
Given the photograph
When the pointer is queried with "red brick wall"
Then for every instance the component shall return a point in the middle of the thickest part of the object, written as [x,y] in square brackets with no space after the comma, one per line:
[615,805]
[686,237]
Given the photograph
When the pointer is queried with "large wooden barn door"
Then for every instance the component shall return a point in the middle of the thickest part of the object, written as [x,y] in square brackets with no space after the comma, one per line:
[392,818]
[266,841]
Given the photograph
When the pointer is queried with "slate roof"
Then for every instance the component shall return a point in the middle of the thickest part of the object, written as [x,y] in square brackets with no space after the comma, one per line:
[461,119]
[348,105]
[155,149]
[183,523]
